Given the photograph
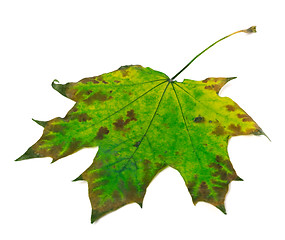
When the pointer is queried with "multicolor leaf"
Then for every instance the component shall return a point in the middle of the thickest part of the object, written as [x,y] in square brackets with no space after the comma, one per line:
[144,121]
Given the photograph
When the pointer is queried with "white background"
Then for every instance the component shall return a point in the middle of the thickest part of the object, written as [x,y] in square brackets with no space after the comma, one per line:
[68,40]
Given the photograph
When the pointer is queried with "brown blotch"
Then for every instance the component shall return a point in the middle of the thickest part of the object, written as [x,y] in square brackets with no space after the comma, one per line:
[214,87]
[54,128]
[73,147]
[98,163]
[199,119]
[83,117]
[221,193]
[224,175]
[137,144]
[245,118]
[53,152]
[131,115]
[99,78]
[116,195]
[224,170]
[219,158]
[121,123]
[231,108]
[219,131]
[90,79]
[191,184]
[101,132]
[236,129]
[203,193]
[98,96]
[124,72]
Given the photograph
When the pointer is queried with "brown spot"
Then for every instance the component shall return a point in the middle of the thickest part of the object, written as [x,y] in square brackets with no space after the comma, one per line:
[116,81]
[102,131]
[98,96]
[214,87]
[53,152]
[219,131]
[203,193]
[116,195]
[231,108]
[245,118]
[224,169]
[90,79]
[199,119]
[147,167]
[206,80]
[236,129]
[83,117]
[99,78]
[124,72]
[220,194]
[219,158]
[54,127]
[73,147]
[225,172]
[131,115]
[191,184]
[137,144]
[131,193]
[98,163]
[121,123]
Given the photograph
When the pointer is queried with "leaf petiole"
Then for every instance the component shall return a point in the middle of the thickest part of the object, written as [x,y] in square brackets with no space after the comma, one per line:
[249,30]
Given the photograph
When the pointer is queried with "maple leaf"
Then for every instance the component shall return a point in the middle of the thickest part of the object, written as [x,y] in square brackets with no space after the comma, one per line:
[144,121]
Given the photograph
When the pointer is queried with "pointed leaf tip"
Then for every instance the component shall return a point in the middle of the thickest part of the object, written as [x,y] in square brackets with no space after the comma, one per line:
[222,208]
[95,215]
[41,123]
[28,155]
[231,78]
[140,204]
[259,132]
[238,178]
[79,178]
[59,87]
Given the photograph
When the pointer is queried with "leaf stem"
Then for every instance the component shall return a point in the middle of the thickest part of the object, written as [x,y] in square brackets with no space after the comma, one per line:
[249,30]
